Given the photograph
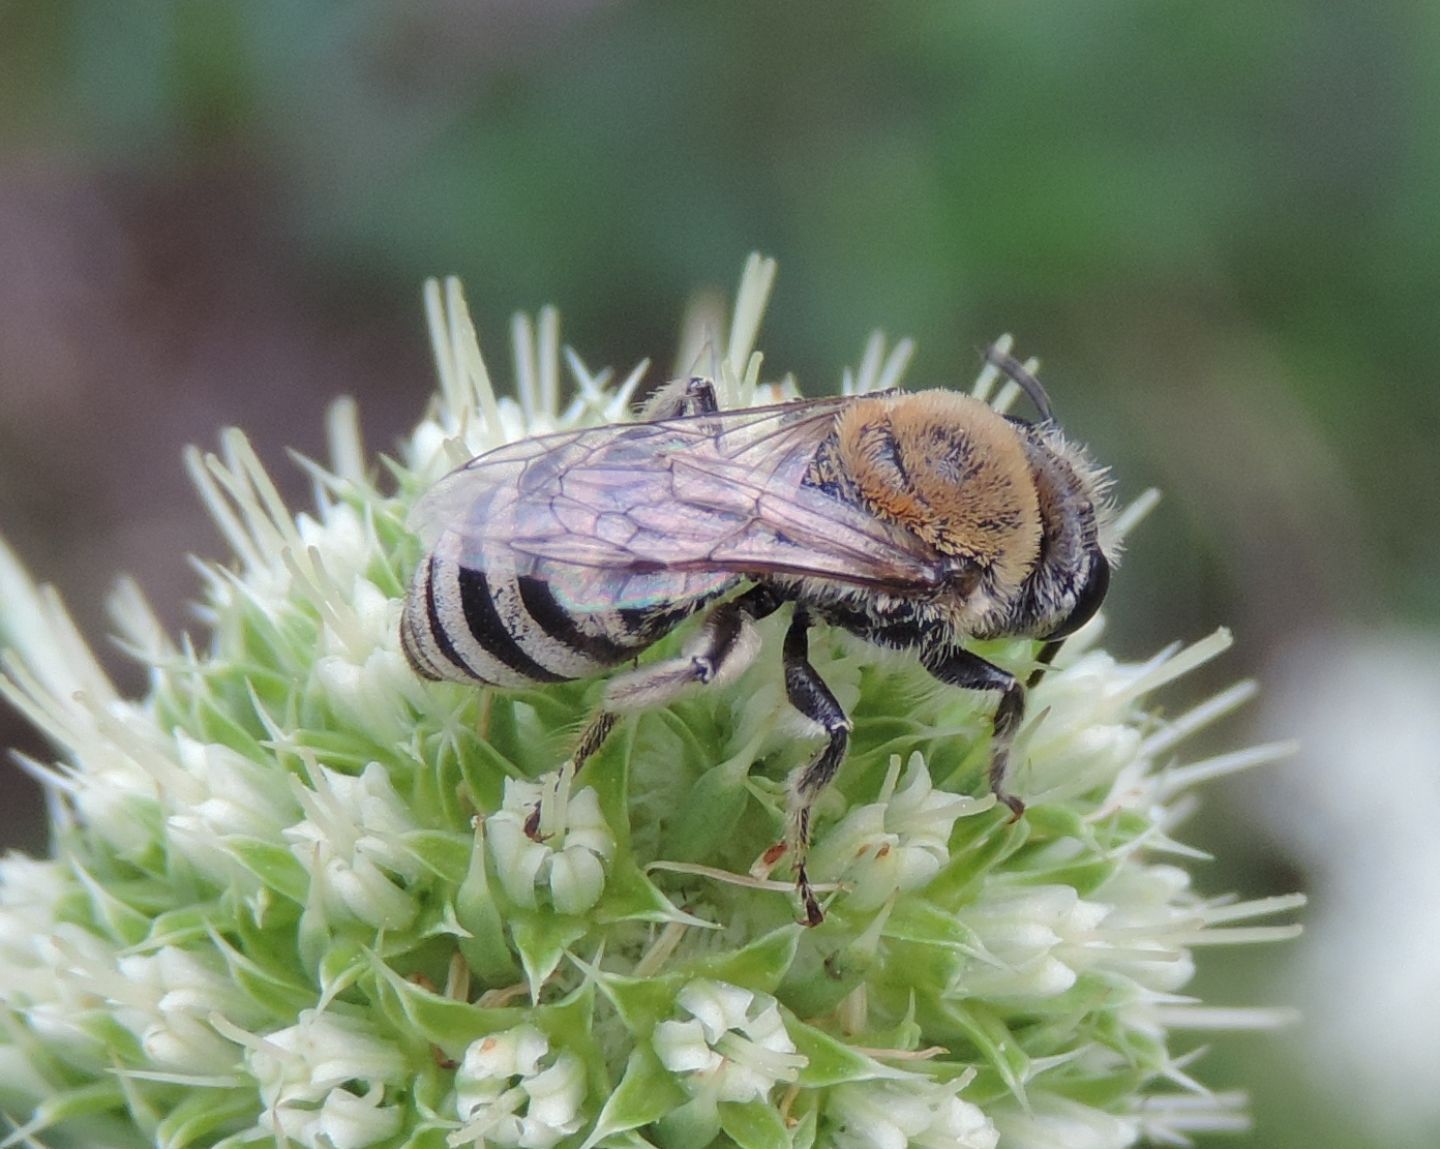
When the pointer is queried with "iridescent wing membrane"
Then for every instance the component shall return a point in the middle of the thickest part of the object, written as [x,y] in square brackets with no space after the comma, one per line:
[642,513]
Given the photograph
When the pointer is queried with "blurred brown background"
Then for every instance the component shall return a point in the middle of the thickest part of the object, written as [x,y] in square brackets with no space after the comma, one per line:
[1218,224]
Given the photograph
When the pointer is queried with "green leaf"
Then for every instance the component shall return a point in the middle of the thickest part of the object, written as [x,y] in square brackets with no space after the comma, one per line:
[343,749]
[541,938]
[694,1125]
[645,1094]
[341,966]
[442,1021]
[802,1132]
[630,895]
[213,723]
[642,1002]
[430,1137]
[830,1061]
[273,863]
[705,824]
[569,1024]
[761,965]
[486,949]
[483,770]
[998,838]
[990,1036]
[83,1101]
[754,1125]
[608,773]
[820,977]
[445,853]
[181,927]
[281,992]
[119,920]
[1049,820]
[920,921]
[201,1113]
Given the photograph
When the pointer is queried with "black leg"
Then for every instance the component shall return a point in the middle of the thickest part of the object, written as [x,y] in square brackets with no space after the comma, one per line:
[700,397]
[809,695]
[593,737]
[1042,662]
[956,667]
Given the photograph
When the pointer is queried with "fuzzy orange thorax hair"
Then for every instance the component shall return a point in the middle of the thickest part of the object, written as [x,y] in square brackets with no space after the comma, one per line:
[949,469]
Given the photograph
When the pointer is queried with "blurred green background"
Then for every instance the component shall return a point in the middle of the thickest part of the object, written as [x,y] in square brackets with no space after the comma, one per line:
[1218,224]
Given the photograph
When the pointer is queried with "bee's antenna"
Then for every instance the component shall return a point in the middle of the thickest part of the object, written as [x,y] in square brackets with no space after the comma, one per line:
[1014,370]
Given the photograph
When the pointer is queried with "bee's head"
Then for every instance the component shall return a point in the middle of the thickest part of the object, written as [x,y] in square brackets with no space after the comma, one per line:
[1067,583]
[1088,594]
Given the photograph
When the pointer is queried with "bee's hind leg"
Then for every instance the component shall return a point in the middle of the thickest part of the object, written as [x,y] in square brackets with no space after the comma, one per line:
[956,667]
[809,695]
[725,646]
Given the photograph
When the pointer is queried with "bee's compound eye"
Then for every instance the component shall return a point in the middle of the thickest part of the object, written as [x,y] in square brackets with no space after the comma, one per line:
[1088,600]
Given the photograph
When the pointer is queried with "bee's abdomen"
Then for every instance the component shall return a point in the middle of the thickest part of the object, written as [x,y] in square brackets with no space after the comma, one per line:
[462,624]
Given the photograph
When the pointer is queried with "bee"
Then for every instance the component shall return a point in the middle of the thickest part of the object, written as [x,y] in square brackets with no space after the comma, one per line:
[917,521]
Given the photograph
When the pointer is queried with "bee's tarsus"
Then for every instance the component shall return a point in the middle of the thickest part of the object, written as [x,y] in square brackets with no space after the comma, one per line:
[1017,805]
[814,915]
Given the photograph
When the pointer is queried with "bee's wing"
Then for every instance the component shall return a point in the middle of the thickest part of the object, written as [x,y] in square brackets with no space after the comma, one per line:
[672,507]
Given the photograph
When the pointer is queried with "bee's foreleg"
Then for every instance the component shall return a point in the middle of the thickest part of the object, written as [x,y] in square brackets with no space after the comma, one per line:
[693,396]
[809,695]
[956,667]
[1042,662]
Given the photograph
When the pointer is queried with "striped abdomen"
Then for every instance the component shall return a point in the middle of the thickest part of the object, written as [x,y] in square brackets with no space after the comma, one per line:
[505,629]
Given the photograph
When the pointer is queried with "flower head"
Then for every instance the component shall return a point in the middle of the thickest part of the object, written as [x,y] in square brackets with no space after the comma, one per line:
[298,894]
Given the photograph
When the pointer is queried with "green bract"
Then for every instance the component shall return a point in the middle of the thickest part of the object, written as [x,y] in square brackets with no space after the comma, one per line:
[293,897]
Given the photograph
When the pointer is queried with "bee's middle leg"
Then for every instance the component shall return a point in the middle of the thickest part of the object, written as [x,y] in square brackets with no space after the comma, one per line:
[809,695]
[956,667]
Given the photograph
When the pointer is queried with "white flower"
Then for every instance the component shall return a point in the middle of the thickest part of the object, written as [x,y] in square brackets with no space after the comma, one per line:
[322,1050]
[896,1115]
[308,1075]
[1053,1122]
[343,1120]
[226,796]
[547,837]
[57,984]
[167,999]
[734,1048]
[352,841]
[507,1095]
[898,842]
[1032,942]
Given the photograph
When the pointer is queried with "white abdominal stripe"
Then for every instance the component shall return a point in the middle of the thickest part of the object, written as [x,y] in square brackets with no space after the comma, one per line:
[498,628]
